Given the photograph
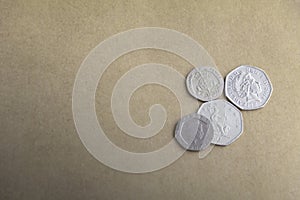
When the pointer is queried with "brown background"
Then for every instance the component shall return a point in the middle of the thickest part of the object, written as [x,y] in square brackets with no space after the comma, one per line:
[42,45]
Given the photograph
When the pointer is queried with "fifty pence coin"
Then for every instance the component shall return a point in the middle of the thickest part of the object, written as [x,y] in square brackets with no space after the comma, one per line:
[194,132]
[226,119]
[248,87]
[205,83]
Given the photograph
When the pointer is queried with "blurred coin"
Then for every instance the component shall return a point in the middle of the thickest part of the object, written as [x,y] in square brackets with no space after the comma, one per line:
[248,87]
[194,132]
[205,83]
[226,119]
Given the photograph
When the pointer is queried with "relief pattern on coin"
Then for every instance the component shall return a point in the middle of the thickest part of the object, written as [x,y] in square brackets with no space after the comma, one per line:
[205,83]
[248,87]
[226,119]
[194,132]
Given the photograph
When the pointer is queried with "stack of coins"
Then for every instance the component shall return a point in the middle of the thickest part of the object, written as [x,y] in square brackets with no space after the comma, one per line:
[218,121]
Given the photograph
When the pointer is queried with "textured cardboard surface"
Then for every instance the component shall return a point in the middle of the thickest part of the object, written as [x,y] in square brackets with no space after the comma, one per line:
[42,45]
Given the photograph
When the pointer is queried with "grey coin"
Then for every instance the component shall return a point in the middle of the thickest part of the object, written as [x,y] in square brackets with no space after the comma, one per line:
[248,87]
[205,83]
[194,132]
[226,119]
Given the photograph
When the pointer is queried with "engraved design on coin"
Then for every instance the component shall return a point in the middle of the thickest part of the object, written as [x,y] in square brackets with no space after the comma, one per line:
[194,132]
[205,83]
[248,87]
[226,119]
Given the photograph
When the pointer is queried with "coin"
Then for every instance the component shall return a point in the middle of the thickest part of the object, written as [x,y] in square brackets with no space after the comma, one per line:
[248,87]
[205,83]
[226,119]
[194,132]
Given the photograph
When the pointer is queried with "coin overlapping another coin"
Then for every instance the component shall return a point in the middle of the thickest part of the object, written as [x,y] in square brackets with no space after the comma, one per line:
[218,121]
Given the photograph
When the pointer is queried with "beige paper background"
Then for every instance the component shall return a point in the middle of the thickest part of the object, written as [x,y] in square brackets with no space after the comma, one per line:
[42,45]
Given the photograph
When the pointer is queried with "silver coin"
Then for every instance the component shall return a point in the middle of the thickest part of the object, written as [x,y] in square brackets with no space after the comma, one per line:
[205,83]
[194,132]
[248,87]
[226,119]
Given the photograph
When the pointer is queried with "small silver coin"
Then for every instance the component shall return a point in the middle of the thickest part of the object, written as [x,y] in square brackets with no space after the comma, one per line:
[226,119]
[205,83]
[248,87]
[194,132]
